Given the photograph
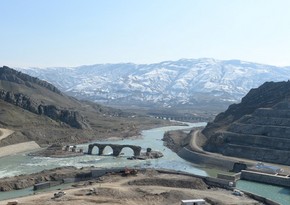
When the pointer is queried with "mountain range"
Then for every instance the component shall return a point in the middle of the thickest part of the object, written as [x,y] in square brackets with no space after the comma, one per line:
[35,110]
[183,83]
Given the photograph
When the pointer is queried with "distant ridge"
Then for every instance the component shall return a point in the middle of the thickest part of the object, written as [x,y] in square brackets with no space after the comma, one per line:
[200,83]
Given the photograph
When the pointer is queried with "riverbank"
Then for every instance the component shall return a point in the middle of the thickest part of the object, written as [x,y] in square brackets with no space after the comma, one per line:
[32,146]
[18,148]
[22,164]
[147,187]
[189,147]
[15,148]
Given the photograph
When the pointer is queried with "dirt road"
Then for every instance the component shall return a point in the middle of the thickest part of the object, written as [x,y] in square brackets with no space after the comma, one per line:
[148,188]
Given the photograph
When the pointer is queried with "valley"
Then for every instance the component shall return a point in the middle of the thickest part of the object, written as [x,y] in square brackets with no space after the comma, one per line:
[48,117]
[145,102]
[37,111]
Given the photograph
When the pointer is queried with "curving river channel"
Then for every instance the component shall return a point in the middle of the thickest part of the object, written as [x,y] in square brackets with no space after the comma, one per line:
[24,164]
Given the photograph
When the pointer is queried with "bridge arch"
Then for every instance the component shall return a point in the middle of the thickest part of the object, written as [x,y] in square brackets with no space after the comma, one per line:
[127,151]
[117,148]
[95,150]
[108,150]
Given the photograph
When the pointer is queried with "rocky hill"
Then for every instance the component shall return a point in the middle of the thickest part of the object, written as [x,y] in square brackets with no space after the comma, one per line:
[200,83]
[37,110]
[257,128]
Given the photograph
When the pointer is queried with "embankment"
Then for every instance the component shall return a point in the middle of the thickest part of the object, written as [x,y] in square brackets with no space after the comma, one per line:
[209,160]
[273,179]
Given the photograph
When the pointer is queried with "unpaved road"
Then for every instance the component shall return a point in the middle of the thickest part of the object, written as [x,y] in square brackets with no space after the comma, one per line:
[145,188]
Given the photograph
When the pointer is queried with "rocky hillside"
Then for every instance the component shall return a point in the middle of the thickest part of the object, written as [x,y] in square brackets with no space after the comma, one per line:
[37,110]
[194,83]
[37,96]
[257,128]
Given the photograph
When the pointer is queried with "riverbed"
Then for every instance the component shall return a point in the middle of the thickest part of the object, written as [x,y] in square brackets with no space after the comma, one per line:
[24,164]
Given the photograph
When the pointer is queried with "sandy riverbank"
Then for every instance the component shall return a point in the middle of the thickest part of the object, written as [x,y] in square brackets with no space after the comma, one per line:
[15,148]
[148,187]
[18,148]
[5,133]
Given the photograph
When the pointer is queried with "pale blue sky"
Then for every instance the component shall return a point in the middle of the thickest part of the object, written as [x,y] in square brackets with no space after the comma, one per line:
[45,33]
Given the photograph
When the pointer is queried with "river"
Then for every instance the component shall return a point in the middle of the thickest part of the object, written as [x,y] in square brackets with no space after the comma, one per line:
[24,164]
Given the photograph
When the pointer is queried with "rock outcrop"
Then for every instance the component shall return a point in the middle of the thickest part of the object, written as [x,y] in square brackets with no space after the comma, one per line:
[72,118]
[35,96]
[258,128]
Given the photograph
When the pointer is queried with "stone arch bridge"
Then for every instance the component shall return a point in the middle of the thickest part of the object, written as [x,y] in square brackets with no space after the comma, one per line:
[117,148]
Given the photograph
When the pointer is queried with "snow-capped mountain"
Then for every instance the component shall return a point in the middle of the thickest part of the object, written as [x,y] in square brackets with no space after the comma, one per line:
[170,83]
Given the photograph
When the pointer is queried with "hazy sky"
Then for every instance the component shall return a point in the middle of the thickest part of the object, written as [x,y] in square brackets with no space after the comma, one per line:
[45,33]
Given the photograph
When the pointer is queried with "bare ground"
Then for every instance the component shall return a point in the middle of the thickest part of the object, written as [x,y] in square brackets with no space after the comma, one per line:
[148,188]
[5,133]
[15,148]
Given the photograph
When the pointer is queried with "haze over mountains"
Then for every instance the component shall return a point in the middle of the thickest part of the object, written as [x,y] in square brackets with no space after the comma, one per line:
[186,82]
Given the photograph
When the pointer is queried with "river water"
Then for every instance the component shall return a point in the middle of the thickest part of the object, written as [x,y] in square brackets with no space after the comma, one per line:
[24,164]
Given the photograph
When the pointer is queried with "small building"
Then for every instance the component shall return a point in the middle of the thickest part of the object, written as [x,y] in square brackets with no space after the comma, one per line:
[193,202]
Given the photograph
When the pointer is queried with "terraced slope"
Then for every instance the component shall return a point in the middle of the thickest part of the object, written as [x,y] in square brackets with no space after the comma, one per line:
[258,128]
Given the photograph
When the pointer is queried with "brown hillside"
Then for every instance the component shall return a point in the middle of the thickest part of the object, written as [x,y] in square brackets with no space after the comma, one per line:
[36,110]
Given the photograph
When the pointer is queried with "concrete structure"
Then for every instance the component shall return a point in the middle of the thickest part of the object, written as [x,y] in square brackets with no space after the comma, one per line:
[43,185]
[117,148]
[193,202]
[274,179]
[215,161]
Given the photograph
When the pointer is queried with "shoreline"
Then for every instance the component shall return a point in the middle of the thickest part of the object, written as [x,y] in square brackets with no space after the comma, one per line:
[18,148]
[32,146]
[176,185]
[122,188]
[194,153]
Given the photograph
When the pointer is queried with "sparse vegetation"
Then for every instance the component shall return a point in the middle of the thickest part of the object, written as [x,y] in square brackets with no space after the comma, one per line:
[99,121]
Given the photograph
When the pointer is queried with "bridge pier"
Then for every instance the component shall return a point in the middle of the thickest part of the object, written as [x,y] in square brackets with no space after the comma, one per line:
[101,149]
[137,151]
[116,151]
